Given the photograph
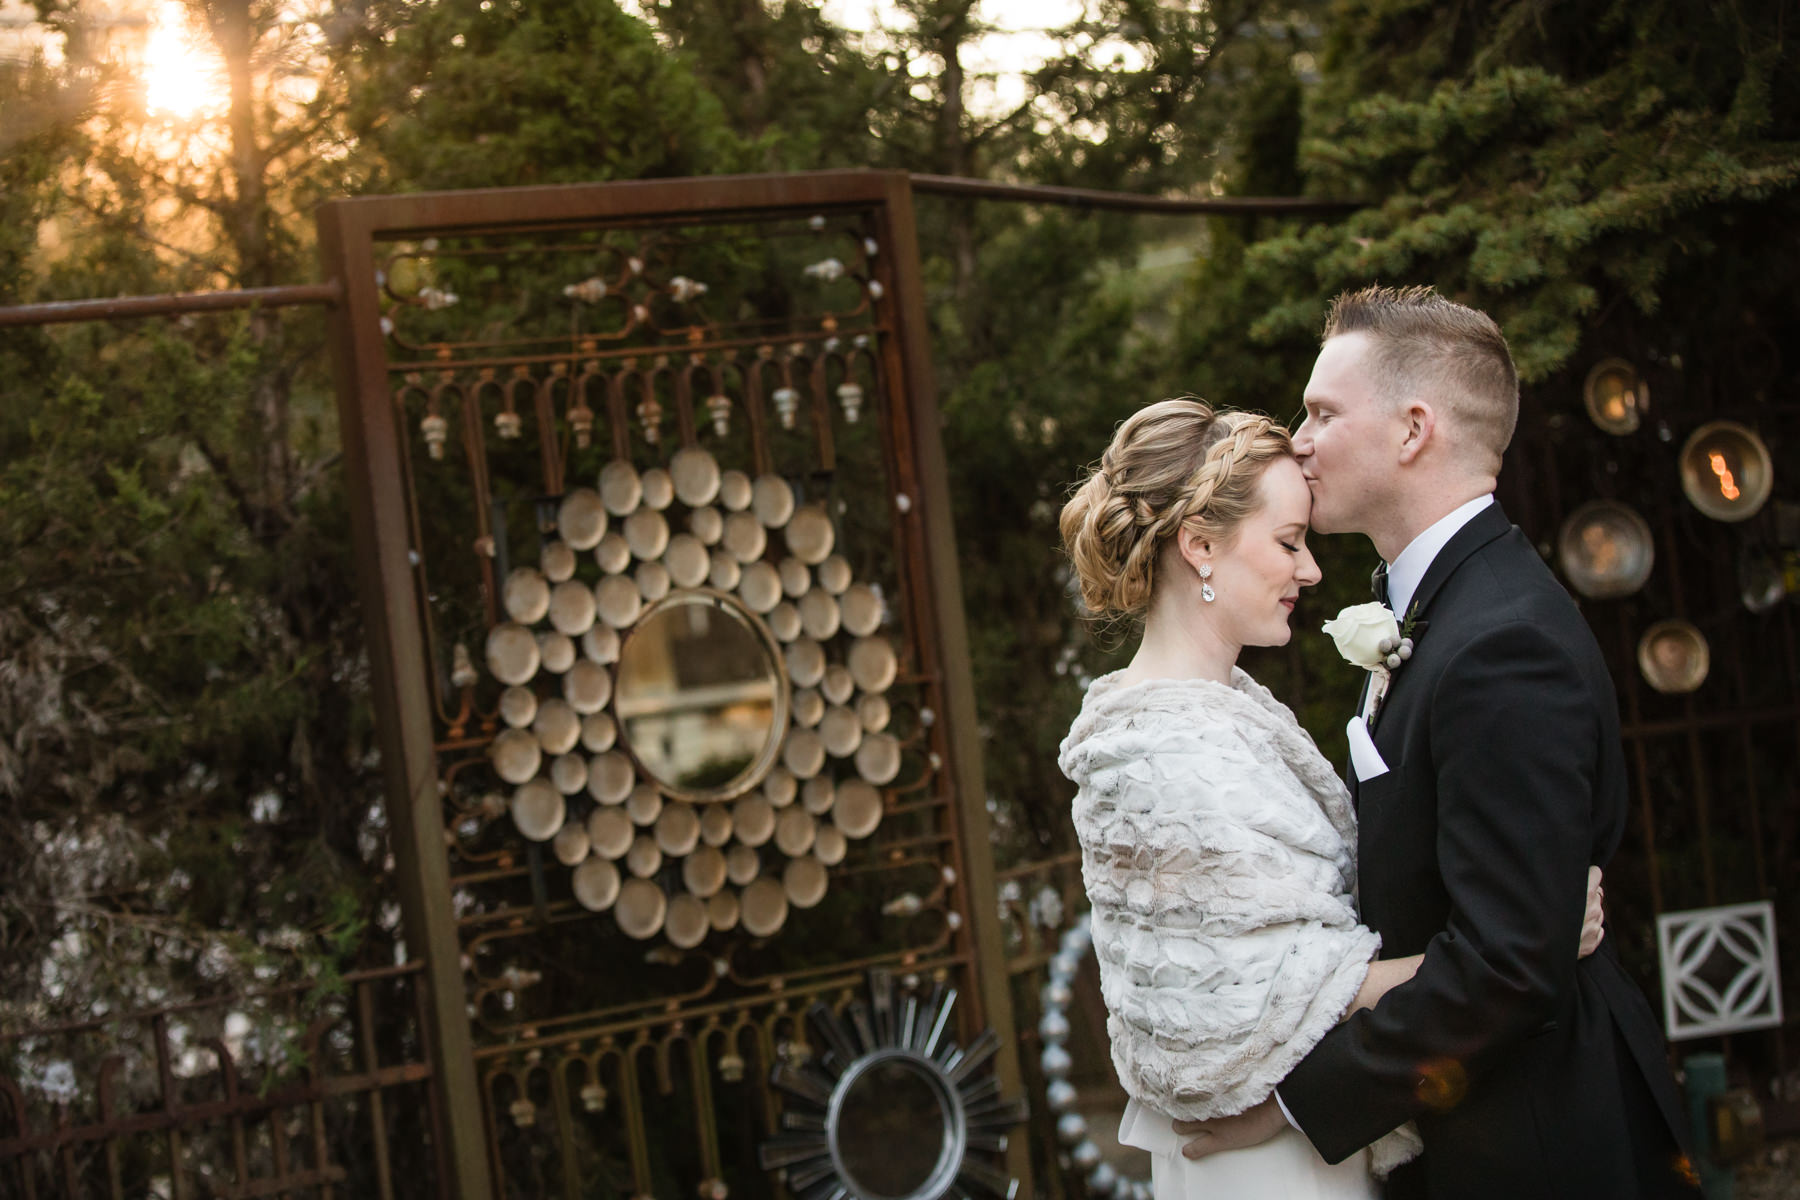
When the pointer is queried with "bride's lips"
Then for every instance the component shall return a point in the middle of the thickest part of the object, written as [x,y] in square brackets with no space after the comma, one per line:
[1288,602]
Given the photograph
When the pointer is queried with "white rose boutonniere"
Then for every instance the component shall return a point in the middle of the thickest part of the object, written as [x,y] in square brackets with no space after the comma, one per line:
[1368,636]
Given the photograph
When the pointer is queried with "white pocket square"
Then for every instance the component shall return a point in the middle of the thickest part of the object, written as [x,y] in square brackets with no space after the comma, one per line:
[1365,760]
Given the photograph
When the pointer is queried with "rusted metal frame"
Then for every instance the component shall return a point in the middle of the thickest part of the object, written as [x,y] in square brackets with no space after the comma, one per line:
[237,1103]
[1752,793]
[1635,736]
[721,346]
[1038,193]
[372,446]
[173,304]
[909,362]
[1702,789]
[377,1109]
[1732,719]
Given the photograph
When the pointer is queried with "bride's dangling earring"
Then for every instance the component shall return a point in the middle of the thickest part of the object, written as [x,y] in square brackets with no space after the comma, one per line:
[1206,589]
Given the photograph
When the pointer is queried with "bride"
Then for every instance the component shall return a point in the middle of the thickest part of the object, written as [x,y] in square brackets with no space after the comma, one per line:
[1218,845]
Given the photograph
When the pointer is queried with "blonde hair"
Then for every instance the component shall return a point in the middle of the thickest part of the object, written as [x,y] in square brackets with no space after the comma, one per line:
[1176,462]
[1441,351]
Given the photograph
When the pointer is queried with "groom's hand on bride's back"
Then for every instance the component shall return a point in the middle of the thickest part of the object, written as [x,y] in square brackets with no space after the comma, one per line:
[1593,922]
[1252,1127]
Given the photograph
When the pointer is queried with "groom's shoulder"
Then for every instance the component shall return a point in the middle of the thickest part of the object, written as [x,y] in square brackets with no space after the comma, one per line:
[1509,579]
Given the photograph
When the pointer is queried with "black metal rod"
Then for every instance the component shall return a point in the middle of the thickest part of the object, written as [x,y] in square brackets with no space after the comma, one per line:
[1039,193]
[169,305]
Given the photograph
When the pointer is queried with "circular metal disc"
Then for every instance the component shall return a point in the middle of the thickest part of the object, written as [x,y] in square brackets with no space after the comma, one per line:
[753,820]
[518,705]
[610,777]
[581,519]
[647,533]
[610,832]
[644,805]
[587,687]
[659,489]
[715,824]
[707,525]
[744,538]
[819,614]
[653,581]
[834,574]
[725,572]
[687,561]
[735,491]
[804,753]
[572,607]
[596,884]
[784,622]
[696,475]
[557,726]
[857,809]
[760,588]
[556,651]
[804,881]
[538,810]
[516,756]
[677,829]
[772,500]
[742,864]
[620,488]
[568,773]
[838,685]
[780,787]
[878,759]
[598,733]
[613,553]
[644,859]
[806,663]
[873,664]
[809,708]
[722,911]
[860,609]
[526,596]
[873,712]
[570,844]
[512,653]
[640,908]
[619,600]
[817,795]
[686,925]
[601,643]
[557,561]
[810,535]
[830,845]
[795,578]
[794,830]
[703,872]
[764,906]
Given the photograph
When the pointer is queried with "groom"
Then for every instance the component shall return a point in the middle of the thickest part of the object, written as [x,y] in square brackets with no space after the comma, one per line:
[1486,781]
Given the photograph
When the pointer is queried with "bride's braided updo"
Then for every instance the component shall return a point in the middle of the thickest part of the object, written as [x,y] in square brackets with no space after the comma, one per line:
[1176,461]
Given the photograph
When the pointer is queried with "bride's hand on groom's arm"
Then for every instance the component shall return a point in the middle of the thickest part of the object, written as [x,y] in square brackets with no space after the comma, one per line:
[1252,1127]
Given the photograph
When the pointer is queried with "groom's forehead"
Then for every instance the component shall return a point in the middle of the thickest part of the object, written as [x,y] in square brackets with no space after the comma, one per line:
[1341,371]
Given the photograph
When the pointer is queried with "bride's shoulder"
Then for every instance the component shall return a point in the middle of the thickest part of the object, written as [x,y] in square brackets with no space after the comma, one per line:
[1125,717]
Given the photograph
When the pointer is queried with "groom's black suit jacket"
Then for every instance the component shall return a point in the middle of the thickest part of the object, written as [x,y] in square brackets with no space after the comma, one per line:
[1529,1074]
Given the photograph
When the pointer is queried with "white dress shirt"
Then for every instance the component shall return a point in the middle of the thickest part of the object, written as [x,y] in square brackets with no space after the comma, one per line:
[1405,574]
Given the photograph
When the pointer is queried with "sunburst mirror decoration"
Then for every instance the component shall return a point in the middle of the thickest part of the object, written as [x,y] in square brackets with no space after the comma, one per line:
[893,1108]
[695,698]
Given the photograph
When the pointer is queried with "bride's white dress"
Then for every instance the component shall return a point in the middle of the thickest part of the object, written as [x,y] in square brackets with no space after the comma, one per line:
[1286,1167]
[1218,854]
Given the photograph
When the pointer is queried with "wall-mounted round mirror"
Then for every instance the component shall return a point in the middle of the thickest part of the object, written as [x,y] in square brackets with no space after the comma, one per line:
[1673,657]
[894,1128]
[1605,549]
[1615,397]
[1726,471]
[701,699]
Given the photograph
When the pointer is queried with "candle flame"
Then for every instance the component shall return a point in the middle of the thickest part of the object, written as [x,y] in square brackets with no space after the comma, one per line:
[1728,487]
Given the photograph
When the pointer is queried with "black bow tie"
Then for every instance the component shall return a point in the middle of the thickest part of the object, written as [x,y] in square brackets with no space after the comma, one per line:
[1378,582]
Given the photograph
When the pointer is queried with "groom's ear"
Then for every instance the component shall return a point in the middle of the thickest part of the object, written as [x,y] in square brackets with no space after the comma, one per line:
[1421,423]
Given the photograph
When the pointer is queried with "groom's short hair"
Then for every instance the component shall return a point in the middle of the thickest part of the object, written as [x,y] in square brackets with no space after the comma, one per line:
[1439,350]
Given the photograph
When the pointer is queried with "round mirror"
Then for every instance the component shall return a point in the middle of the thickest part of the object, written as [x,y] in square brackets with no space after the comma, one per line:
[895,1131]
[1606,549]
[701,699]
[1726,471]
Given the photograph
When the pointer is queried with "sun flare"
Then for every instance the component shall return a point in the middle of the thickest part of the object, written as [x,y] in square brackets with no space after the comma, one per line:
[183,77]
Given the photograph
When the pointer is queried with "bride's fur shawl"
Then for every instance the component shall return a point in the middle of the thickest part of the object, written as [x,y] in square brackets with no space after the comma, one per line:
[1218,850]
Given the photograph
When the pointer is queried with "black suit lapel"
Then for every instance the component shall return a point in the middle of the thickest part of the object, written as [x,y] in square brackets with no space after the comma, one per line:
[1482,528]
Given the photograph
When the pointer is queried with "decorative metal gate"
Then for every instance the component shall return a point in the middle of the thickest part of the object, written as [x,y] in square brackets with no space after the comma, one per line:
[670,672]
